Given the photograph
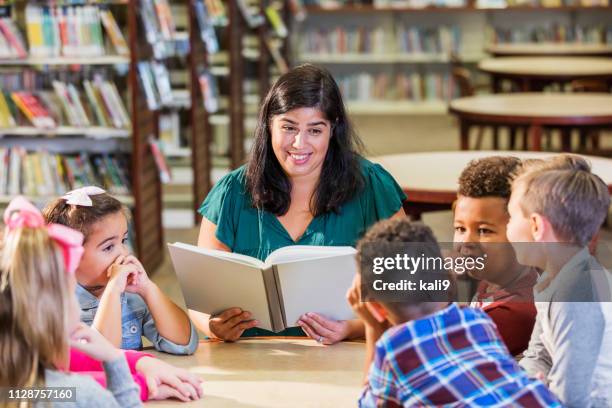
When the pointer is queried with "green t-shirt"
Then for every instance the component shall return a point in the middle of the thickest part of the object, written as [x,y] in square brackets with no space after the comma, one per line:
[257,233]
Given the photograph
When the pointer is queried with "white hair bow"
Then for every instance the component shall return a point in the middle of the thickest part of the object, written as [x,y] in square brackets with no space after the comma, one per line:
[80,196]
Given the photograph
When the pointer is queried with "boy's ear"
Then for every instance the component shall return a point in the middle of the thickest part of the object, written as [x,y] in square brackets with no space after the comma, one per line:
[377,310]
[538,227]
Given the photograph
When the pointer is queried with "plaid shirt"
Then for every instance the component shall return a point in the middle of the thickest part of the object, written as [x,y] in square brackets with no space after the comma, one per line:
[453,357]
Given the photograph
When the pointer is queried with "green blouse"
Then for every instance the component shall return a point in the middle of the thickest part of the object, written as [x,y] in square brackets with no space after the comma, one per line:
[257,233]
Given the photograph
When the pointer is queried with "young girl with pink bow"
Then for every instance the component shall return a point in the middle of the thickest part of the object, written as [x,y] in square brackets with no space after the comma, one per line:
[116,296]
[40,315]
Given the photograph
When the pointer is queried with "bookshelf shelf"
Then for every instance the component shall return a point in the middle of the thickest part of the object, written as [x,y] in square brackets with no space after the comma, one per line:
[395,58]
[88,132]
[366,9]
[396,107]
[118,158]
[35,61]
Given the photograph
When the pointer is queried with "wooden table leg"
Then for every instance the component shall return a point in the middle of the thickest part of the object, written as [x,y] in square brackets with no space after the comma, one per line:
[535,134]
[464,134]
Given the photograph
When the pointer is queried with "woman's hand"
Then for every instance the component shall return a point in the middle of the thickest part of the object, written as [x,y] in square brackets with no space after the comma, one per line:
[324,330]
[166,381]
[94,344]
[231,323]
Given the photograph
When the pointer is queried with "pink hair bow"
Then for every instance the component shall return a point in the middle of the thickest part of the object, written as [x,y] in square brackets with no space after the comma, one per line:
[21,213]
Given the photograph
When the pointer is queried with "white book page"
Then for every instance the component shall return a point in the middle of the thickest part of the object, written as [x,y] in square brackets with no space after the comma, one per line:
[295,253]
[213,281]
[317,285]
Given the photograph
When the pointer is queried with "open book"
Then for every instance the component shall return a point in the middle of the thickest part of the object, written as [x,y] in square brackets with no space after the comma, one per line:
[292,281]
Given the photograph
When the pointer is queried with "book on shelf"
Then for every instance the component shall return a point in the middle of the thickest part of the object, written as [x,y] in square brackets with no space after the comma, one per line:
[71,103]
[162,82]
[114,32]
[206,26]
[30,105]
[145,74]
[165,19]
[209,89]
[550,33]
[250,12]
[41,173]
[217,13]
[155,81]
[165,176]
[274,47]
[422,40]
[98,104]
[153,28]
[276,291]
[6,116]
[276,21]
[407,86]
[73,31]
[12,43]
[170,130]
[343,40]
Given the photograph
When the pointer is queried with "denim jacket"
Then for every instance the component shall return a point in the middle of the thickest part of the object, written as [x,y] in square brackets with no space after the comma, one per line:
[136,321]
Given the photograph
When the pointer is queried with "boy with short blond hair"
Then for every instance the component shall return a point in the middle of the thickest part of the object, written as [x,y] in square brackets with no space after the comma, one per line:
[435,353]
[560,204]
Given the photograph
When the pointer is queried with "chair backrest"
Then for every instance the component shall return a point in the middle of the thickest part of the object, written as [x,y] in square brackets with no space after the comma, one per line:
[463,79]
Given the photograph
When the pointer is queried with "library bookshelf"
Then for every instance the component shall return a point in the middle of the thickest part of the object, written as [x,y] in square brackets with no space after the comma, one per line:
[142,187]
[243,69]
[369,46]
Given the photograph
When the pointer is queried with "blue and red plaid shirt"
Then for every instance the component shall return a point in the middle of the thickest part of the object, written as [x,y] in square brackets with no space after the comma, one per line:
[453,357]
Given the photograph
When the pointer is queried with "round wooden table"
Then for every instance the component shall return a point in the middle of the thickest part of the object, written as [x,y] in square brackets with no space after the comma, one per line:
[550,49]
[430,179]
[532,73]
[533,110]
[273,372]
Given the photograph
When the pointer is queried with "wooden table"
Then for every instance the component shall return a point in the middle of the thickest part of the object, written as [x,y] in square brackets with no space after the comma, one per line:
[274,372]
[533,110]
[532,73]
[430,179]
[550,49]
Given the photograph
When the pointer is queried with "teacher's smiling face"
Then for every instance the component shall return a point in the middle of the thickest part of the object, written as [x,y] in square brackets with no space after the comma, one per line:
[300,139]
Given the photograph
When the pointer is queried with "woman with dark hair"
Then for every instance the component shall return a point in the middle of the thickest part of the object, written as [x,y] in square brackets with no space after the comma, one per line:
[304,184]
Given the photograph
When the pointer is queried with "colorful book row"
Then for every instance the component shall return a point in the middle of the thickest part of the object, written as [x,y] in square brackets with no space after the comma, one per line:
[46,174]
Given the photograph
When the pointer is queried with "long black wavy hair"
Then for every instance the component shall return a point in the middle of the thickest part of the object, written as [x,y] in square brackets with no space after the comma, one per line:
[305,86]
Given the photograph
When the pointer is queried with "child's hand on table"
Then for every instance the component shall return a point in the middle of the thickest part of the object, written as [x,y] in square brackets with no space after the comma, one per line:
[166,381]
[94,344]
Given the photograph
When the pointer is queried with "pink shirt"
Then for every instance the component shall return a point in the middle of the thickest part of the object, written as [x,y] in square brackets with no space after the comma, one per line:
[83,364]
